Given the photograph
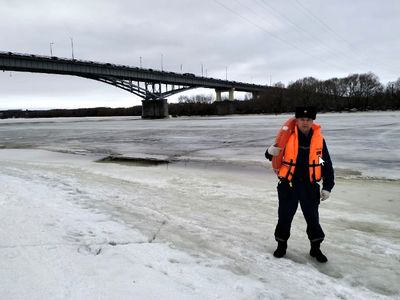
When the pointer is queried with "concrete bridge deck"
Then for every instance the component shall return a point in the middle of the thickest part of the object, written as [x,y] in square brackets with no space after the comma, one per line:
[148,84]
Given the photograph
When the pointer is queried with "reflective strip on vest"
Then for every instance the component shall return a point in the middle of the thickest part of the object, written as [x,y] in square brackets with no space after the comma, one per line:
[291,151]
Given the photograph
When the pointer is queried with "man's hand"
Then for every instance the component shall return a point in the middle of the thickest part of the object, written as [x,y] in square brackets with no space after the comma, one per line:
[273,150]
[325,195]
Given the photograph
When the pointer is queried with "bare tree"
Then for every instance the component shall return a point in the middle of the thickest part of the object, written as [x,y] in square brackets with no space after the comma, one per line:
[196,99]
[369,85]
[306,84]
[362,85]
[393,87]
[333,87]
[279,85]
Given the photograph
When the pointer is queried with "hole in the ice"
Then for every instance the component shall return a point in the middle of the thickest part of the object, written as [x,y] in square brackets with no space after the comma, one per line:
[134,161]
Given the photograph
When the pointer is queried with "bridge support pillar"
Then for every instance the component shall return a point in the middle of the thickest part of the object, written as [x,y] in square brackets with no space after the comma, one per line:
[155,109]
[218,95]
[231,91]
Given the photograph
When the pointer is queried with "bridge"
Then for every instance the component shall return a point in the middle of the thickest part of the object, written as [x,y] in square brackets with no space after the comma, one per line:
[153,86]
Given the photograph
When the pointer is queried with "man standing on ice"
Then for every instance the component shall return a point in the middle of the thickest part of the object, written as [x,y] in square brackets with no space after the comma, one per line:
[304,163]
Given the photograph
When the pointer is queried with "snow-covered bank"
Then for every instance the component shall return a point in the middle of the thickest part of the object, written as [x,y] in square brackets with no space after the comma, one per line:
[57,243]
[72,228]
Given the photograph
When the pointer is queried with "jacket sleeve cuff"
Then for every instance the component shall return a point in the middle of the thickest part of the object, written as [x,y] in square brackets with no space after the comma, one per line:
[327,187]
[267,155]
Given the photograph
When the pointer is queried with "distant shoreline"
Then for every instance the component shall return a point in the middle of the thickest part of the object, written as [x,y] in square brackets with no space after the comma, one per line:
[190,109]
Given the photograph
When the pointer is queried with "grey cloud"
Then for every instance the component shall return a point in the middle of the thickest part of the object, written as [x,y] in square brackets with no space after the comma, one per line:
[257,40]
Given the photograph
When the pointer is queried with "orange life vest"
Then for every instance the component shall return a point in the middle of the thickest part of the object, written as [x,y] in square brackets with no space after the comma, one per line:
[315,156]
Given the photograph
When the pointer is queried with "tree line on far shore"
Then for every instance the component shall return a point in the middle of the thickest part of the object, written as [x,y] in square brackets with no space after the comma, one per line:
[356,92]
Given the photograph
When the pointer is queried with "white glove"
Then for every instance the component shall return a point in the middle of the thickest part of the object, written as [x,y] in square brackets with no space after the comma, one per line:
[325,195]
[273,150]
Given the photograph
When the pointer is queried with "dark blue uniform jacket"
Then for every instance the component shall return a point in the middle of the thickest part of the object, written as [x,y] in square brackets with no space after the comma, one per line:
[301,172]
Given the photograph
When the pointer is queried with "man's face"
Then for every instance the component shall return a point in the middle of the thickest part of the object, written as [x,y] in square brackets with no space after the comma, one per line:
[304,124]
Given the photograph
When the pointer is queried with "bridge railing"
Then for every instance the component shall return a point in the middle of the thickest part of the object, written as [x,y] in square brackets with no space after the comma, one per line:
[181,78]
[113,65]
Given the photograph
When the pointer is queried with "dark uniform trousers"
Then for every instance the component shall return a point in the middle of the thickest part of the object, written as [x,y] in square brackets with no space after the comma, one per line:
[289,195]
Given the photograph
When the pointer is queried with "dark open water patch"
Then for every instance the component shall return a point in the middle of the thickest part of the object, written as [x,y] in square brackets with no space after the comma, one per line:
[134,161]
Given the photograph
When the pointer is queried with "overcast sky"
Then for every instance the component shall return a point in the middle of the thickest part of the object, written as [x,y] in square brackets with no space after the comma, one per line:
[257,41]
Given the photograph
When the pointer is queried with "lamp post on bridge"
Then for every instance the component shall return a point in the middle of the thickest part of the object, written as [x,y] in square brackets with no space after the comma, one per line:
[72,47]
[51,48]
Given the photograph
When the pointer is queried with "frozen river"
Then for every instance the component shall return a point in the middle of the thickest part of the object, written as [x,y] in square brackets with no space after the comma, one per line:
[361,143]
[198,227]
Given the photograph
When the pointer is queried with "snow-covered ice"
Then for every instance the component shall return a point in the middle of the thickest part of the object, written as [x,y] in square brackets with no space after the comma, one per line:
[199,227]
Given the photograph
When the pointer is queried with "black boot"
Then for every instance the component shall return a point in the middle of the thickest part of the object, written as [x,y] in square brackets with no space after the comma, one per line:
[315,251]
[281,250]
